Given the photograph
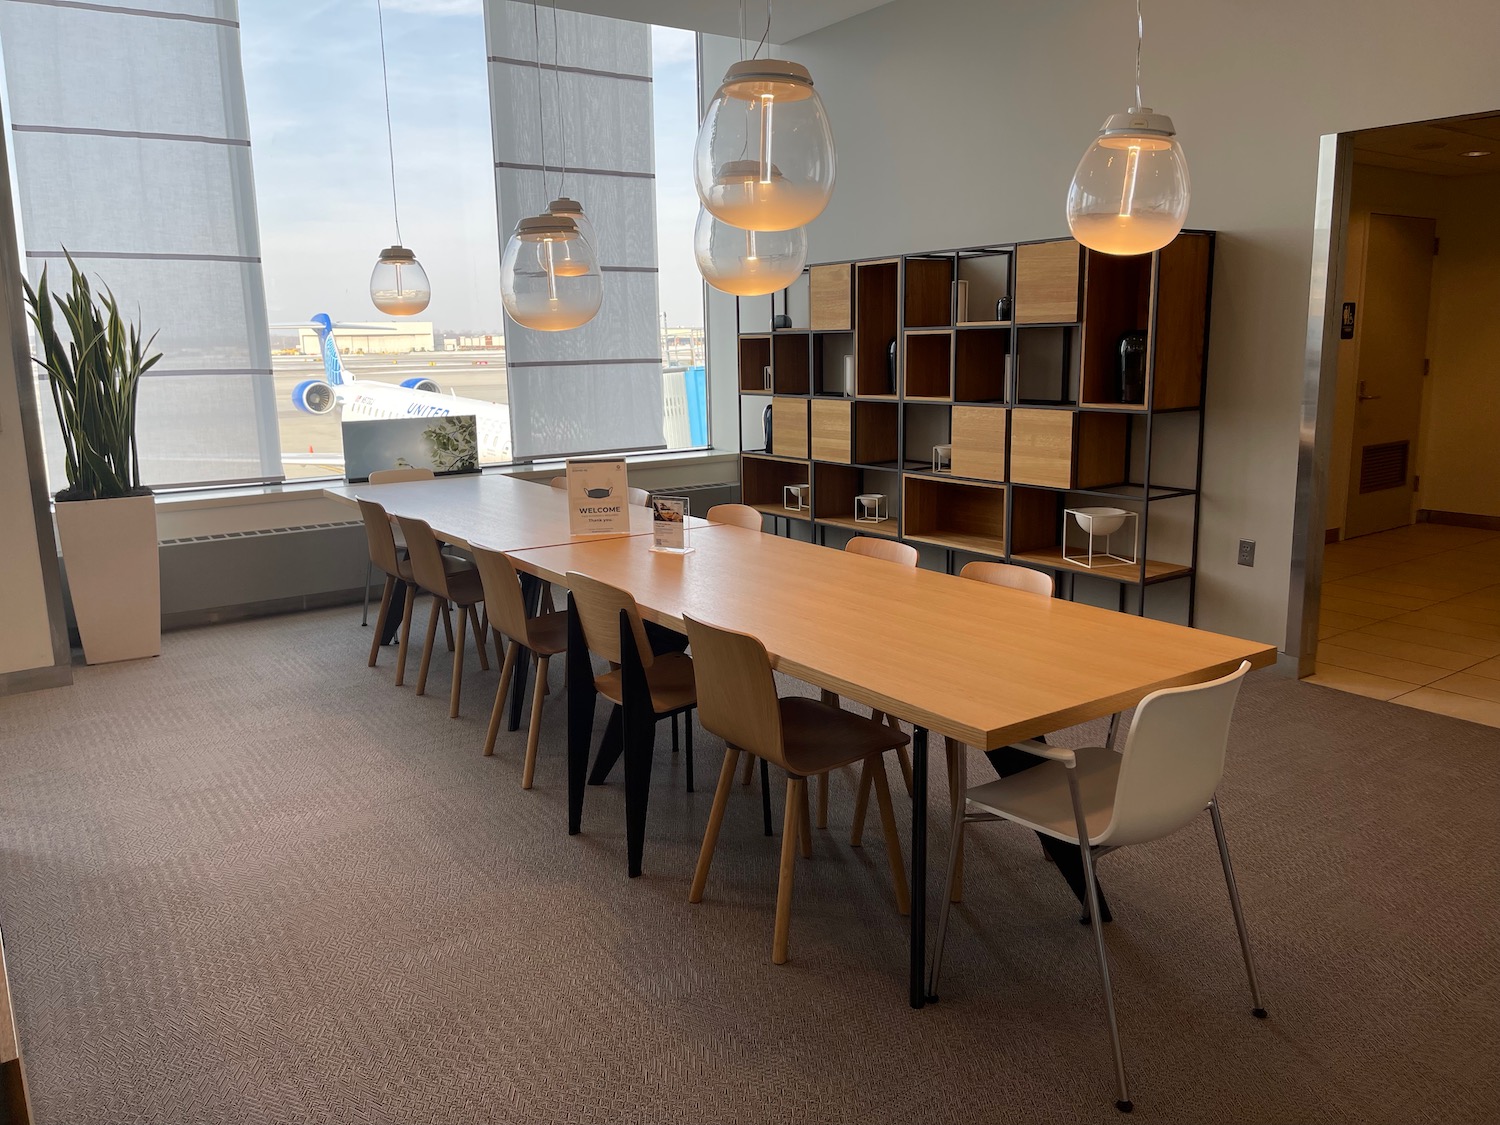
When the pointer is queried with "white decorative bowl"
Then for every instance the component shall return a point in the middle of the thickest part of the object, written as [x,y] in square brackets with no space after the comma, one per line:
[1100,521]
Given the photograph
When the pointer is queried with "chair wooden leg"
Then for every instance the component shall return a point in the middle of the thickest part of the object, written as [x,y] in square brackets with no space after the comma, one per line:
[385,605]
[534,733]
[904,757]
[804,825]
[892,838]
[822,800]
[749,769]
[458,664]
[411,601]
[439,608]
[501,696]
[715,822]
[867,769]
[480,632]
[448,626]
[957,755]
[796,789]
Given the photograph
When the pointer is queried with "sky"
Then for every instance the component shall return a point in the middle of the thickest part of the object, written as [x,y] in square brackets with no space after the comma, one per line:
[322,173]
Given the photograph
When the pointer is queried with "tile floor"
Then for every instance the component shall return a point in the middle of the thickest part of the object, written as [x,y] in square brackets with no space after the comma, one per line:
[1413,616]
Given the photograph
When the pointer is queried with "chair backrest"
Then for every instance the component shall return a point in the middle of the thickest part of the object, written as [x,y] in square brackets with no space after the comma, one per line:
[736,691]
[887,549]
[502,592]
[396,476]
[378,535]
[639,497]
[1173,759]
[1007,574]
[598,606]
[740,515]
[559,482]
[425,553]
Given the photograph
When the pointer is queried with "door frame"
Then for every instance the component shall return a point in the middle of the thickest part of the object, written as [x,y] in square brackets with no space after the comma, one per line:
[1319,384]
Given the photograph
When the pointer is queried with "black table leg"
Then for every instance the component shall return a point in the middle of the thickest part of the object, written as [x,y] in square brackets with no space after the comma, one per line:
[581,693]
[531,596]
[390,627]
[638,731]
[918,967]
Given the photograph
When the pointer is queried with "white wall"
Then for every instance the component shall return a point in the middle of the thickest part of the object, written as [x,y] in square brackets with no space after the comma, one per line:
[962,122]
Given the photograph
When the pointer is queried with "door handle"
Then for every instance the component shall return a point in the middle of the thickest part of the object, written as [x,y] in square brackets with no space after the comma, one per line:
[1361,396]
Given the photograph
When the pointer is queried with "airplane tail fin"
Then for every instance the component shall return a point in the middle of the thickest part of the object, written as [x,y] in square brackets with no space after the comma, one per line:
[333,366]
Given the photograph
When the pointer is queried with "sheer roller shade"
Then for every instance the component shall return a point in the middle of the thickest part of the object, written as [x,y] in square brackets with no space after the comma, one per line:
[132,150]
[596,388]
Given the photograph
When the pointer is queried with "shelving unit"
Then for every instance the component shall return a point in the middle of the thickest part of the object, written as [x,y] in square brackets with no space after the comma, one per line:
[1011,355]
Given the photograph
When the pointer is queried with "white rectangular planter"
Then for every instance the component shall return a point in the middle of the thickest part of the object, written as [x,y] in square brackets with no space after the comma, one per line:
[114,575]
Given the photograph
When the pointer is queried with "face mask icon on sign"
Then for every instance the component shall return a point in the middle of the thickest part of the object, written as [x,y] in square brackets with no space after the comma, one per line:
[597,493]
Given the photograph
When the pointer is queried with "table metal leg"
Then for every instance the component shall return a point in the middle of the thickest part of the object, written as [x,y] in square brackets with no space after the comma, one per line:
[918,968]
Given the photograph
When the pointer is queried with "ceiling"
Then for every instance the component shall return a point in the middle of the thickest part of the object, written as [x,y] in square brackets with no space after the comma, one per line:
[793,18]
[1434,147]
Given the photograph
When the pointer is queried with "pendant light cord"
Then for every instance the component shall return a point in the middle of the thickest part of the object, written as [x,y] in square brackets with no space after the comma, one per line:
[1140,37]
[390,143]
[562,118]
[767,35]
[541,124]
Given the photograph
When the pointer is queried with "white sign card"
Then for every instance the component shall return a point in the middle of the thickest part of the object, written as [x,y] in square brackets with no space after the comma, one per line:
[669,524]
[598,498]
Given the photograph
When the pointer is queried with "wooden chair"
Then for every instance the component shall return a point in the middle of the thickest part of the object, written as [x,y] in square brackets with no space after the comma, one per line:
[740,515]
[388,476]
[644,686]
[1100,801]
[638,497]
[903,554]
[387,552]
[559,482]
[546,635]
[738,702]
[445,584]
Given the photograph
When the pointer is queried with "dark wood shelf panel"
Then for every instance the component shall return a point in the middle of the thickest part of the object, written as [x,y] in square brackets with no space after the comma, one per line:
[886,529]
[1128,573]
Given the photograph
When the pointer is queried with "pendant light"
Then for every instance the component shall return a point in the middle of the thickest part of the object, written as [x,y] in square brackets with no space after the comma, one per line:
[764,157]
[398,283]
[549,274]
[747,263]
[1130,193]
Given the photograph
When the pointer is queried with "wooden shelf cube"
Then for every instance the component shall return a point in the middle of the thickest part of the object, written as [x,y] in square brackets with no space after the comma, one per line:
[957,515]
[928,369]
[1047,282]
[789,422]
[981,360]
[755,358]
[929,292]
[764,479]
[1067,448]
[877,288]
[791,365]
[986,276]
[831,297]
[979,442]
[854,432]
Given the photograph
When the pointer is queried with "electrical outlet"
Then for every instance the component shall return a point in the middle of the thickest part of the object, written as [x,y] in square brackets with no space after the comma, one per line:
[1247,552]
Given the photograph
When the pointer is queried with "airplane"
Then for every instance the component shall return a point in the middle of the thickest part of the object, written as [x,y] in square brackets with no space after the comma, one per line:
[417,397]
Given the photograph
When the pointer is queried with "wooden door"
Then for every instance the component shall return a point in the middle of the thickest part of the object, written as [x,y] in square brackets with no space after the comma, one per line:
[1392,333]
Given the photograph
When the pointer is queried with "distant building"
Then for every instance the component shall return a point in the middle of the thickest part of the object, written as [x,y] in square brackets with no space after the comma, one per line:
[489,342]
[398,338]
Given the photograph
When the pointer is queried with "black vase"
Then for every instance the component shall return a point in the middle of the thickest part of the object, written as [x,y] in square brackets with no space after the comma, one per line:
[890,367]
[766,422]
[1133,367]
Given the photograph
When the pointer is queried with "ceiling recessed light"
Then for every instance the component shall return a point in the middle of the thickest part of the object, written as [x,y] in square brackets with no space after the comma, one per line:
[1477,152]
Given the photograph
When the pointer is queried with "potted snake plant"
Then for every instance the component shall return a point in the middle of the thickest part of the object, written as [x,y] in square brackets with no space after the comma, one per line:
[106,521]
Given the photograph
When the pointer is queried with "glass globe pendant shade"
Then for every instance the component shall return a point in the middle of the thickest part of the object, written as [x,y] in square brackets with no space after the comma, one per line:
[398,284]
[764,158]
[535,292]
[747,263]
[1130,193]
[565,261]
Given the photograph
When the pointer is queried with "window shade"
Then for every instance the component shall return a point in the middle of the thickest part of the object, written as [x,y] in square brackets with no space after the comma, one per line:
[596,388]
[132,150]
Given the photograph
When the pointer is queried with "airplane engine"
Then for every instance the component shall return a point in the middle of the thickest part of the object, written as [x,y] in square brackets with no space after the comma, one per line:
[421,383]
[313,396]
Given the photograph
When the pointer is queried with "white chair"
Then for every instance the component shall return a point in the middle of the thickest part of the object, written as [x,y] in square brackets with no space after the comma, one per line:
[740,515]
[1163,778]
[389,476]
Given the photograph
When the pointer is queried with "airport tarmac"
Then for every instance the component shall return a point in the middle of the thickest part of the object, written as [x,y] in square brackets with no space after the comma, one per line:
[306,437]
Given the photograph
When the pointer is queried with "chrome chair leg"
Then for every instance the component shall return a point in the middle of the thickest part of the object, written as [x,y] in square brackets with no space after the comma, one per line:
[955,848]
[1259,1011]
[1122,1103]
[364,618]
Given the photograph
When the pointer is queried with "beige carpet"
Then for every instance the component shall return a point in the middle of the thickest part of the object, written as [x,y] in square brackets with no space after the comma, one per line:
[251,881]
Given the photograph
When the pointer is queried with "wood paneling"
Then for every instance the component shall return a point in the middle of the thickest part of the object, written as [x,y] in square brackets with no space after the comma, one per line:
[1041,447]
[755,357]
[979,442]
[877,288]
[960,515]
[791,363]
[1116,300]
[876,432]
[834,490]
[980,363]
[1100,460]
[1047,276]
[929,292]
[832,430]
[927,370]
[831,294]
[763,478]
[1180,339]
[789,420]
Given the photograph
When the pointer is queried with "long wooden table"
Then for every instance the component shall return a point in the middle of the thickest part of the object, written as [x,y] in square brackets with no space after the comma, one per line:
[982,664]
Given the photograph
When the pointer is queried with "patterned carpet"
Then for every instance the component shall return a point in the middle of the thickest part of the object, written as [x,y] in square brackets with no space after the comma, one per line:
[252,882]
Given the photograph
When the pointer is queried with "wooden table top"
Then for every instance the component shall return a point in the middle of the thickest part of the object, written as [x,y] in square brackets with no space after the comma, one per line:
[487,510]
[980,663]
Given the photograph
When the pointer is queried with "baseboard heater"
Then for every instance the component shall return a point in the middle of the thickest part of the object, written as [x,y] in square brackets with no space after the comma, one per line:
[702,497]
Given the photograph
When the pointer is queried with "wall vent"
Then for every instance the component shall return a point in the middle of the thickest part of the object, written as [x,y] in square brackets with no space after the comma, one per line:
[1383,466]
[261,533]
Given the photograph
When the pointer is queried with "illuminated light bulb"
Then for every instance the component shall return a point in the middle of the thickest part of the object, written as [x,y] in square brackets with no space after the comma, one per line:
[768,108]
[398,283]
[1130,192]
[747,263]
[549,275]
[566,265]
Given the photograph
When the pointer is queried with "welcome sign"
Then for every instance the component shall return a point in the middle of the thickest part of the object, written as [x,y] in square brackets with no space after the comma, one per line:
[598,498]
